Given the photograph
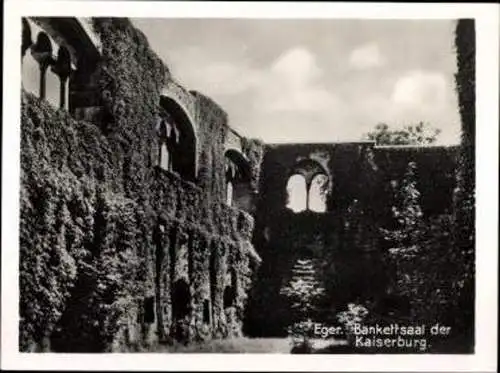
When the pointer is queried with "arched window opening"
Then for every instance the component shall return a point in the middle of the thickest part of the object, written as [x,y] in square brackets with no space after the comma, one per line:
[42,53]
[27,41]
[42,74]
[206,311]
[31,74]
[308,187]
[297,193]
[317,193]
[179,137]
[62,68]
[52,88]
[237,173]
[30,70]
[181,300]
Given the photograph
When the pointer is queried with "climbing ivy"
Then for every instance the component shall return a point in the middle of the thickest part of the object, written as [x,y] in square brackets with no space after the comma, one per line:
[91,197]
[254,150]
[464,198]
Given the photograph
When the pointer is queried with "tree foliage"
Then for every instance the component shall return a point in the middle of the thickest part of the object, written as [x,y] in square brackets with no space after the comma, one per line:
[303,290]
[429,269]
[419,134]
[464,197]
[433,257]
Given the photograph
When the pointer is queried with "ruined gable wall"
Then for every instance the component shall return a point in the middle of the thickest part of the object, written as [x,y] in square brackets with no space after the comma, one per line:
[283,237]
[342,240]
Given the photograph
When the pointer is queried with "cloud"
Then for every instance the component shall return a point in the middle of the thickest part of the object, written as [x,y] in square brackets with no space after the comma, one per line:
[277,81]
[366,56]
[198,70]
[224,78]
[421,95]
[292,83]
[297,66]
[288,98]
[420,88]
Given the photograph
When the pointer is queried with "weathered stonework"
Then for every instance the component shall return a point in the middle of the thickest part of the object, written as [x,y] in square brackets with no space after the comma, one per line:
[164,275]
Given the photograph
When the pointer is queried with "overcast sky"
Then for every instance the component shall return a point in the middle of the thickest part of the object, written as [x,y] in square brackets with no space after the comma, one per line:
[315,80]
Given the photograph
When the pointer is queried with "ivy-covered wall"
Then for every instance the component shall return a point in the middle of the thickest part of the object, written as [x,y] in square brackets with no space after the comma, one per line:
[465,193]
[212,136]
[116,253]
[436,168]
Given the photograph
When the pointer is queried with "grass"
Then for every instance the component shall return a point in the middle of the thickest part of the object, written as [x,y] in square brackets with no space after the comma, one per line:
[242,345]
[234,345]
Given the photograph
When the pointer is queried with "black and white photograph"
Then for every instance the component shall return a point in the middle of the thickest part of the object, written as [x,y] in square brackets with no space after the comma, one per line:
[192,185]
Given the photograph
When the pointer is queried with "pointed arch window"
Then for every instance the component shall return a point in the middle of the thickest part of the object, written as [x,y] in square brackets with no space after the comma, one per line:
[297,193]
[46,66]
[30,68]
[317,193]
[52,88]
[177,140]
[308,187]
[42,53]
[237,176]
[62,68]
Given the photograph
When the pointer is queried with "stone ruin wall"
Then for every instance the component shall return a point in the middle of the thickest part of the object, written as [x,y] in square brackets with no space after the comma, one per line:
[339,242]
[184,257]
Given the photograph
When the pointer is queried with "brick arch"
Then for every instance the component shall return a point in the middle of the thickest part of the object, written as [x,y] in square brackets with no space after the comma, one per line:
[188,146]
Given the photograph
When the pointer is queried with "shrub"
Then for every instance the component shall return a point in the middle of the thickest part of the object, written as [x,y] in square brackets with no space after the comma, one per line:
[355,314]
